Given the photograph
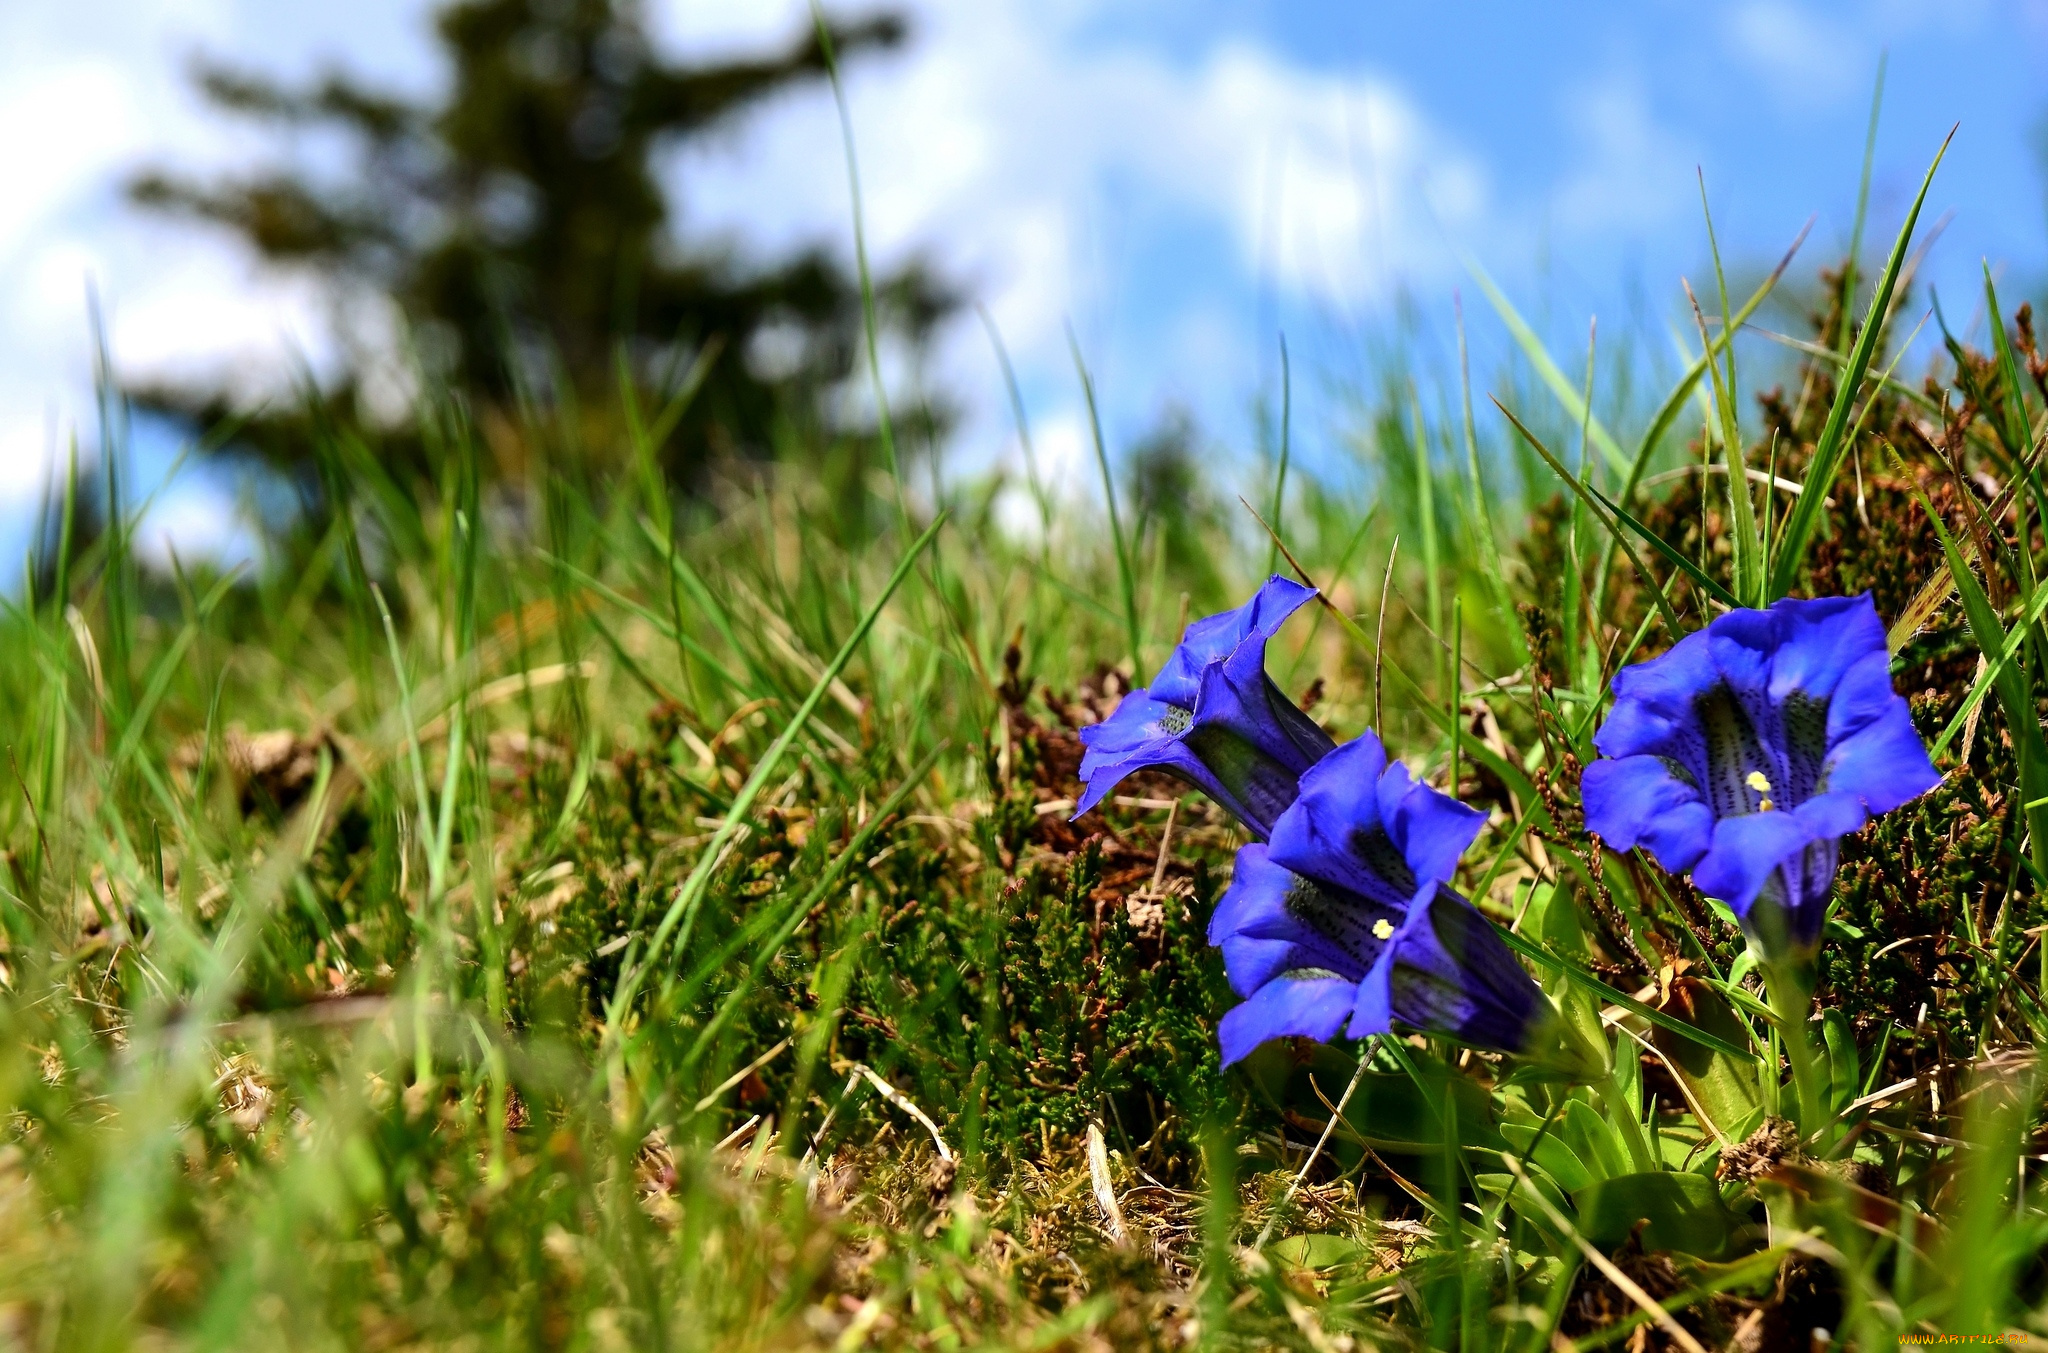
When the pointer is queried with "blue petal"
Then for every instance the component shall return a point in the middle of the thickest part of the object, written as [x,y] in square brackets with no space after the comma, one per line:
[1137,726]
[1297,1006]
[1808,877]
[1134,736]
[1310,738]
[1800,693]
[1831,816]
[1654,706]
[1251,788]
[1096,785]
[1745,852]
[1885,765]
[1327,928]
[1338,834]
[1431,830]
[1213,638]
[1246,746]
[1373,1011]
[1340,803]
[1445,970]
[1818,641]
[1862,697]
[1251,963]
[1230,747]
[1257,892]
[1741,644]
[1253,741]
[1873,750]
[1638,801]
[1236,695]
[1783,666]
[1174,758]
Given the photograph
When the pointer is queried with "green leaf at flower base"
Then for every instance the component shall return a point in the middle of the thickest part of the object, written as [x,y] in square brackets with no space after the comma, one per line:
[1680,1212]
[1723,1088]
[1552,1154]
[1387,1112]
[1524,1207]
[1318,1251]
[1845,1081]
[1594,1140]
[1556,920]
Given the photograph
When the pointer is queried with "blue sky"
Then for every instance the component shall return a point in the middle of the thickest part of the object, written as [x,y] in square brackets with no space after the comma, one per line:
[1178,182]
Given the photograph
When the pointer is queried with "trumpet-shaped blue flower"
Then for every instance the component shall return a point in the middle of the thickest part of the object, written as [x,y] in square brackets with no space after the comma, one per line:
[1342,921]
[1446,970]
[1214,718]
[1750,749]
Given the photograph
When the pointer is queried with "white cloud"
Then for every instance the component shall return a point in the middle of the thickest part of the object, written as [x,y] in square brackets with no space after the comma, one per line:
[89,92]
[1144,194]
[1001,131]
[212,317]
[1808,59]
[1632,172]
[195,520]
[1043,165]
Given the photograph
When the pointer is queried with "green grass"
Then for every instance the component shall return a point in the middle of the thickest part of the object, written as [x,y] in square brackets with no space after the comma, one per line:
[634,922]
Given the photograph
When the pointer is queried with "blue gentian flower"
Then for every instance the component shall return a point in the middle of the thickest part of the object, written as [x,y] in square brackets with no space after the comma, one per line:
[1749,750]
[1214,718]
[1446,970]
[1342,921]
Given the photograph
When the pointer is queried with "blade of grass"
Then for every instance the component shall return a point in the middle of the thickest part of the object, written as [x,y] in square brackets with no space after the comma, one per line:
[1674,402]
[1935,591]
[2011,405]
[1845,298]
[1742,529]
[2014,684]
[1125,578]
[2017,433]
[165,668]
[680,917]
[885,429]
[1591,498]
[1547,370]
[1482,514]
[1704,581]
[1023,425]
[660,624]
[1832,446]
[1993,670]
[855,850]
[1614,996]
[1509,772]
[1574,551]
[1286,431]
[1425,508]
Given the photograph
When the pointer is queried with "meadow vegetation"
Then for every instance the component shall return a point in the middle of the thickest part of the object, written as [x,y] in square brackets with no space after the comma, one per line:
[558,912]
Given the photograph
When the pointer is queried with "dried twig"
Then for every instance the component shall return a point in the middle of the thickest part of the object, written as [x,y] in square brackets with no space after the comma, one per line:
[736,1077]
[902,1101]
[1105,1190]
[1379,638]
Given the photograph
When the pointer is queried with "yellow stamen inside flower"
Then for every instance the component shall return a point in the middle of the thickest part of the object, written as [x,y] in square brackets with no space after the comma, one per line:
[1383,929]
[1764,807]
[1755,780]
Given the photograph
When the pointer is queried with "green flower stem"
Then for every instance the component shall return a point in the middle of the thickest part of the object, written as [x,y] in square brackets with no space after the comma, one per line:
[1622,1108]
[1791,992]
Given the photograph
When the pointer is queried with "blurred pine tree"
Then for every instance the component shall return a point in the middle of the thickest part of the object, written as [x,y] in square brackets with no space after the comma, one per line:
[524,231]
